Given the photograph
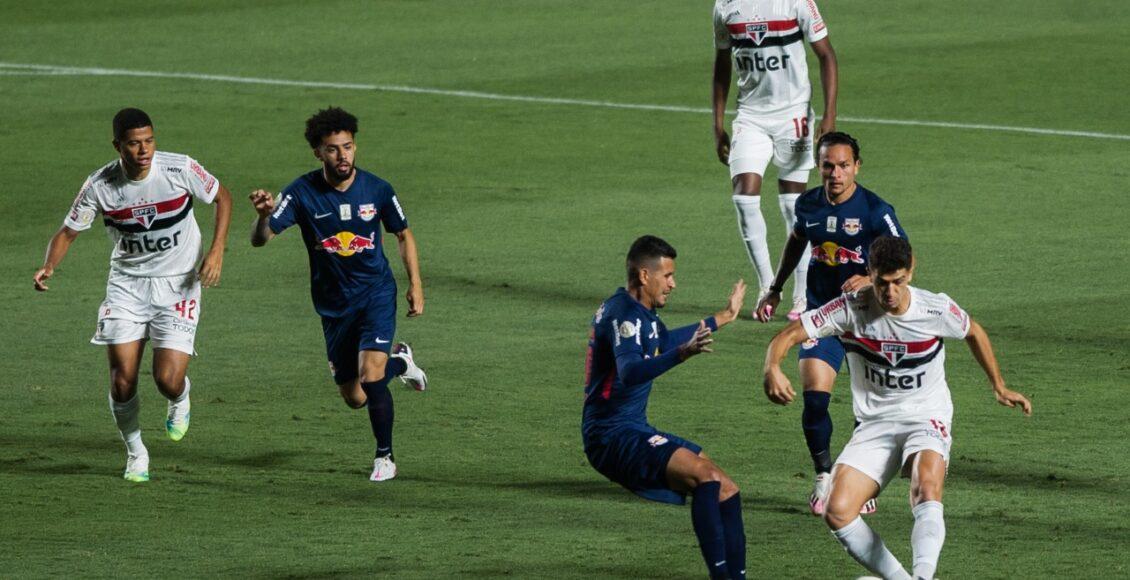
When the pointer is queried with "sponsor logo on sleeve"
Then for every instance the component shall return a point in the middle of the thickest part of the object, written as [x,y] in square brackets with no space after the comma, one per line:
[281,203]
[399,210]
[628,330]
[599,315]
[657,440]
[891,224]
[205,178]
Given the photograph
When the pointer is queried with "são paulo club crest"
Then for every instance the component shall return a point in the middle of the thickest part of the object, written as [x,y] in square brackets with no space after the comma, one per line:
[757,31]
[894,352]
[144,215]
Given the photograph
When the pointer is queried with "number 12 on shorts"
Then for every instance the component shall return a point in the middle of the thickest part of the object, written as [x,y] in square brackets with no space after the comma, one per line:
[186,309]
[801,126]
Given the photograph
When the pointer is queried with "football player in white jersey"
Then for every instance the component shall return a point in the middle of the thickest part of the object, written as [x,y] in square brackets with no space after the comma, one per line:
[893,334]
[153,293]
[765,39]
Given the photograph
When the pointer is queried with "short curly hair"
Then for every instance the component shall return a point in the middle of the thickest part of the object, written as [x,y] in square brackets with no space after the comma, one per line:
[889,254]
[327,122]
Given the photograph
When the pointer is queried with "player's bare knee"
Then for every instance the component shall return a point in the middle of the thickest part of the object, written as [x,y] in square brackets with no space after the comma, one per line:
[123,384]
[729,488]
[923,491]
[839,513]
[354,401]
[373,372]
[169,384]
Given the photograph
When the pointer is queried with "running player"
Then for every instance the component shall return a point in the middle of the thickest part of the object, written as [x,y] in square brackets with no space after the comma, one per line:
[835,224]
[893,334]
[628,348]
[765,39]
[340,210]
[153,293]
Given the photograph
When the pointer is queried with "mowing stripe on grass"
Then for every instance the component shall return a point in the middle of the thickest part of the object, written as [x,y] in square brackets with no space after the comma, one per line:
[9,68]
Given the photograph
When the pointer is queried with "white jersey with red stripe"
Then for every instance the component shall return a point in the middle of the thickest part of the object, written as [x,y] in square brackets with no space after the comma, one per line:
[767,39]
[897,362]
[150,221]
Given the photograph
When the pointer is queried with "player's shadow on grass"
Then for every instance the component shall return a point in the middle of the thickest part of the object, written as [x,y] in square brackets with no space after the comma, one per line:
[576,488]
[985,471]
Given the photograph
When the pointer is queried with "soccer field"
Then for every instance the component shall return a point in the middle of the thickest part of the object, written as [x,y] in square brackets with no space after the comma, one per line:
[999,131]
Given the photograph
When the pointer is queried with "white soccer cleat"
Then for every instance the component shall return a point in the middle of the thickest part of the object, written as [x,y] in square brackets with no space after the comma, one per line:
[413,376]
[137,467]
[819,494]
[383,469]
[870,507]
[799,306]
[176,423]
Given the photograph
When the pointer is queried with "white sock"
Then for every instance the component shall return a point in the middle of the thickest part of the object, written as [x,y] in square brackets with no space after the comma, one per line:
[787,201]
[927,537]
[863,544]
[125,415]
[751,226]
[184,393]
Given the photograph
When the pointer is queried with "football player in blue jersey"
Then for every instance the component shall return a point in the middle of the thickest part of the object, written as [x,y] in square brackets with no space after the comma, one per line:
[340,210]
[628,348]
[838,220]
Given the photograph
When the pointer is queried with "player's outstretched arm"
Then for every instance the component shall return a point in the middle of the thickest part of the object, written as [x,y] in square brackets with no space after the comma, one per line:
[721,318]
[406,243]
[982,349]
[214,262]
[720,92]
[264,204]
[56,250]
[777,385]
[790,257]
[830,81]
[733,306]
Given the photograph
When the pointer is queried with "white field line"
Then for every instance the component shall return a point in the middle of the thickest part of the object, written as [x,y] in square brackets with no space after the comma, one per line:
[9,68]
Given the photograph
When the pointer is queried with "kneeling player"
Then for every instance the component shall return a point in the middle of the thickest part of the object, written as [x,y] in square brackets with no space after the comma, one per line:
[893,336]
[629,347]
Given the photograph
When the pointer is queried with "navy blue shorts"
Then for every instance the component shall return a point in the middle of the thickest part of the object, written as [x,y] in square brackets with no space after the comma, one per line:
[368,327]
[636,458]
[828,349]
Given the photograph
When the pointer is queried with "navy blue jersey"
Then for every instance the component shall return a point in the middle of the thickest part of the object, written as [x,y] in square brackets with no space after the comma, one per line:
[628,347]
[342,234]
[841,236]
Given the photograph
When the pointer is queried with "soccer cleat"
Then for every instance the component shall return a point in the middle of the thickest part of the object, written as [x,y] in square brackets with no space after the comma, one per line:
[176,425]
[820,493]
[137,467]
[870,507]
[413,375]
[799,306]
[383,469]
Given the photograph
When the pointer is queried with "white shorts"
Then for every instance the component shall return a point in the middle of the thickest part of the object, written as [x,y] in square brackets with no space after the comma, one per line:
[785,138]
[164,310]
[880,449]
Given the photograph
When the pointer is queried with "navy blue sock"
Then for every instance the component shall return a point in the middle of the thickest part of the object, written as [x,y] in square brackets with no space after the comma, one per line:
[707,520]
[817,425]
[395,367]
[380,413]
[734,528]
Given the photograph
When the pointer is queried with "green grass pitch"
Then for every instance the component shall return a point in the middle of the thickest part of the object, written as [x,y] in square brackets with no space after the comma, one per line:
[523,212]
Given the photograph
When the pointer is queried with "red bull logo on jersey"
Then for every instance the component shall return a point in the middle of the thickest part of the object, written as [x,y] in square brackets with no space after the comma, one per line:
[757,31]
[833,254]
[348,243]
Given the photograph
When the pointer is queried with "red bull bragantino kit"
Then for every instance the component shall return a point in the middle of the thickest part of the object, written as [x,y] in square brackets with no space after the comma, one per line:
[840,236]
[342,233]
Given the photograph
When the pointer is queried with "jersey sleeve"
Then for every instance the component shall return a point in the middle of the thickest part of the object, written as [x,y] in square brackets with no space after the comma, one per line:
[810,20]
[286,211]
[884,222]
[954,322]
[83,209]
[625,332]
[199,182]
[721,32]
[831,319]
[392,215]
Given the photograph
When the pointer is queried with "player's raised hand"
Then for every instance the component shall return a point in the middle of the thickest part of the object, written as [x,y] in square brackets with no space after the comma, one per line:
[767,305]
[733,305]
[722,145]
[41,276]
[698,344]
[263,201]
[777,387]
[415,298]
[855,284]
[827,125]
[1010,398]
